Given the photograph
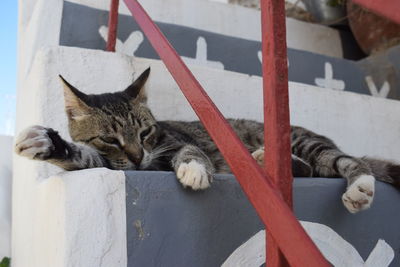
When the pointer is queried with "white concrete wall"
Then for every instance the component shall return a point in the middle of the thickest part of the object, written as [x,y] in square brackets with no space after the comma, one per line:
[359,124]
[6,143]
[40,23]
[79,221]
[233,20]
[38,26]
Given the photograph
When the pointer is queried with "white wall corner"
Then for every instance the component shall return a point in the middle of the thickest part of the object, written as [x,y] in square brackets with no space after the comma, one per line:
[37,28]
[80,220]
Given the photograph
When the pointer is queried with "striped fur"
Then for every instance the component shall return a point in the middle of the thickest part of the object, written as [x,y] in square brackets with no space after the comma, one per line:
[118,131]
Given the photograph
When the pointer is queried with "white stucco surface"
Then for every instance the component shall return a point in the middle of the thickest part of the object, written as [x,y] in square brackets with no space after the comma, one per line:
[79,220]
[6,143]
[358,123]
[40,23]
[354,121]
[233,20]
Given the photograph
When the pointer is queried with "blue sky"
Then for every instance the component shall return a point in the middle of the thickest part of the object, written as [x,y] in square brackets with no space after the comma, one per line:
[8,66]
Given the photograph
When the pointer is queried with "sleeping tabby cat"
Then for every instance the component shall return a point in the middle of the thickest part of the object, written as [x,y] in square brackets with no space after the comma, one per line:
[118,131]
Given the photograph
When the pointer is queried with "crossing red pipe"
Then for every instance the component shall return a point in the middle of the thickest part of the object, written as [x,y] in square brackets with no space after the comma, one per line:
[276,110]
[293,241]
[112,26]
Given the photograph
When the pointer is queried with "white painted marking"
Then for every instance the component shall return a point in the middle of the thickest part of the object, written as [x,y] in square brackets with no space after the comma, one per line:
[335,249]
[381,255]
[328,81]
[250,254]
[383,92]
[131,44]
[201,56]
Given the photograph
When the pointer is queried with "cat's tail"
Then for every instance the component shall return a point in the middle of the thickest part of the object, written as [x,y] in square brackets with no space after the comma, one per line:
[385,171]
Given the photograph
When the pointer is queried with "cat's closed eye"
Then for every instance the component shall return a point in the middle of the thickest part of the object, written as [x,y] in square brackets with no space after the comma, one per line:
[110,141]
[145,133]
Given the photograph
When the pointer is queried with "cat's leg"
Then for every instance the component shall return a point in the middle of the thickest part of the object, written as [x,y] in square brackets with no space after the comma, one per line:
[300,168]
[193,168]
[360,181]
[327,160]
[40,143]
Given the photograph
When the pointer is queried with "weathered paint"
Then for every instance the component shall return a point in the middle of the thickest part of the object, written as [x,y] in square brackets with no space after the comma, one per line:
[288,233]
[276,111]
[112,25]
[386,8]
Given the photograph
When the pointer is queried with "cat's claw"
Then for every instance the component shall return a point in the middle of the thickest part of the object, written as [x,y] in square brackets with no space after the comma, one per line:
[193,175]
[360,194]
[34,143]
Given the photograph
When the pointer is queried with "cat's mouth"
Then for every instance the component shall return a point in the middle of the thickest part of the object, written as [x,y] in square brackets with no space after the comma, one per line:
[122,164]
[145,161]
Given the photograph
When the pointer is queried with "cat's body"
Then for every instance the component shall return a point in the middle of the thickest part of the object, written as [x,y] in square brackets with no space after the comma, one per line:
[118,131]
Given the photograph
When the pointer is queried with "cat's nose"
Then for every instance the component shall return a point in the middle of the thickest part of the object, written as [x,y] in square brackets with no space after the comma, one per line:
[136,158]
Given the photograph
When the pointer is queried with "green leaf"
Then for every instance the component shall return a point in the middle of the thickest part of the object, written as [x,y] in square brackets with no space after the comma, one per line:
[5,262]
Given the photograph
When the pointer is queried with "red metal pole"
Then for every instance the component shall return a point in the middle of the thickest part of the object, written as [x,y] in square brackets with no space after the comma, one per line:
[276,110]
[278,218]
[389,9]
[112,26]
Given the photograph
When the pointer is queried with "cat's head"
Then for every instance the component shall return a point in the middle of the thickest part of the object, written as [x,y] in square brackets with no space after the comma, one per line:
[118,125]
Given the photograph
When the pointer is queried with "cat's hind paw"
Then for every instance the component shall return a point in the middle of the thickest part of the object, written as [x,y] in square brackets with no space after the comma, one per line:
[34,143]
[193,175]
[360,194]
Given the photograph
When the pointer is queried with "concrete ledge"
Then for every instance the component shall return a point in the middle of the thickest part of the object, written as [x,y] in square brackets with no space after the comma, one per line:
[354,121]
[233,20]
[79,221]
[40,24]
[170,226]
[359,118]
[100,217]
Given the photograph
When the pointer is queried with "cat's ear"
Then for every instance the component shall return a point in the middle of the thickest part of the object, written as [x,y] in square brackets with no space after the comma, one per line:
[136,90]
[74,99]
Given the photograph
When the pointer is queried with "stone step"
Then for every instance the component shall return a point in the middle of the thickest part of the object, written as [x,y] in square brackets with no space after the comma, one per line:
[82,23]
[217,18]
[216,47]
[112,218]
[313,107]
[42,205]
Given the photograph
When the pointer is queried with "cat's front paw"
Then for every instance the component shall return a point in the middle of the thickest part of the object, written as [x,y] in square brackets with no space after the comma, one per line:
[193,175]
[34,143]
[360,194]
[258,155]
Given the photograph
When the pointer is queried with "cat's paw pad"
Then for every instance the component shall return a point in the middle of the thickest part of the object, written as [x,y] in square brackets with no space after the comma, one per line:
[193,175]
[360,194]
[34,143]
[258,155]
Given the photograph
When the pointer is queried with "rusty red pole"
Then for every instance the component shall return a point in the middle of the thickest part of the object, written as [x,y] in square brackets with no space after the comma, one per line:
[389,9]
[276,110]
[112,26]
[278,218]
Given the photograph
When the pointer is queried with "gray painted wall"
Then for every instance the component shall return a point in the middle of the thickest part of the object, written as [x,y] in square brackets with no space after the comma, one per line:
[170,226]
